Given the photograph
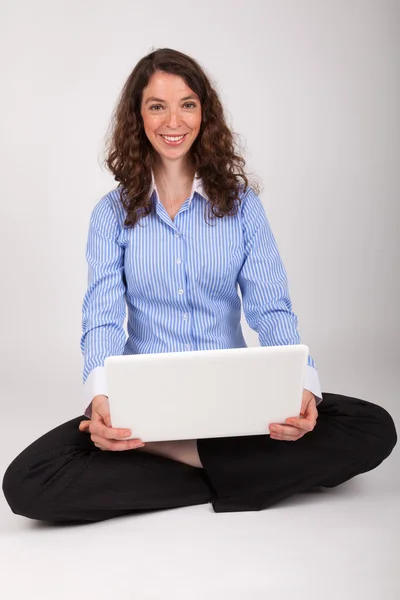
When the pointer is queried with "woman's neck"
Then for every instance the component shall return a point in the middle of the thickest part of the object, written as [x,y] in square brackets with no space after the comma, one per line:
[175,177]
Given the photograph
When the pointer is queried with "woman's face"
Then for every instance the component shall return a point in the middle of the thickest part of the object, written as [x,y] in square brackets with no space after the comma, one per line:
[171,114]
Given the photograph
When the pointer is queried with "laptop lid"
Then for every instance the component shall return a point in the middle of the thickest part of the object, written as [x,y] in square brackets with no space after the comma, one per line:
[205,393]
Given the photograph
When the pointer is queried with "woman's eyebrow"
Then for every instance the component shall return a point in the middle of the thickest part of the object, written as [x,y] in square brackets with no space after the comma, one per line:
[154,99]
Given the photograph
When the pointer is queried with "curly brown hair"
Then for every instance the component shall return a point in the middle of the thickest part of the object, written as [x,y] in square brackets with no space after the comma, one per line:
[214,155]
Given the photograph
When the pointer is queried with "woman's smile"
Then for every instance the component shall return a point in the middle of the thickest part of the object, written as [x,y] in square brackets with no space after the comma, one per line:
[173,140]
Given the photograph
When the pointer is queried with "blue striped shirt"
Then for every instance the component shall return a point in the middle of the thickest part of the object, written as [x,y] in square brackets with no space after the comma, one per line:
[179,280]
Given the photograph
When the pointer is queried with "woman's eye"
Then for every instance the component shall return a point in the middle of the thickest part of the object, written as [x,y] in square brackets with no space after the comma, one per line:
[157,107]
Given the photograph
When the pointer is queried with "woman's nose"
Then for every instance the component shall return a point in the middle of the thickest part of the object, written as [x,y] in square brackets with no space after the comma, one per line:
[172,119]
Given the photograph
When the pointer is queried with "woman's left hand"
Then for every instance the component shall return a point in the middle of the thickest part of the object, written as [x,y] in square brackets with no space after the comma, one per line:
[297,426]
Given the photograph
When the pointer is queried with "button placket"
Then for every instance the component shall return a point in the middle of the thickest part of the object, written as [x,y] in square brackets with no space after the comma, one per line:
[181,291]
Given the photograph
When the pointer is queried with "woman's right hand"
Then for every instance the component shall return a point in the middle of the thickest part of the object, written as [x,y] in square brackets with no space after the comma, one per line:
[103,435]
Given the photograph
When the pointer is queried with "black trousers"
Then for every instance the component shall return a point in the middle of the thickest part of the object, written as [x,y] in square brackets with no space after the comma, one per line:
[64,477]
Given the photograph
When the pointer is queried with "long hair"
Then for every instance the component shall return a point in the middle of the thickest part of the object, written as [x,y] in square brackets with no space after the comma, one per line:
[214,154]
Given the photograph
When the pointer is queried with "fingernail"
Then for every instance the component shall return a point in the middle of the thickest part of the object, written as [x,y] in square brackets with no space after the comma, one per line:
[127,433]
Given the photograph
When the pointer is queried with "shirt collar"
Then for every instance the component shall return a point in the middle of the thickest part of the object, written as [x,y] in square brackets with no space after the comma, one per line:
[197,186]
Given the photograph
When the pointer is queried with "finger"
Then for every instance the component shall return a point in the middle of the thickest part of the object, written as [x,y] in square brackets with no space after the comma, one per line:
[306,424]
[306,421]
[286,430]
[308,398]
[109,433]
[313,412]
[310,409]
[84,425]
[292,437]
[287,438]
[116,445]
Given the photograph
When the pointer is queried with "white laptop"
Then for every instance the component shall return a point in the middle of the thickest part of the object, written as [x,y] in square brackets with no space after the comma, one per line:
[205,393]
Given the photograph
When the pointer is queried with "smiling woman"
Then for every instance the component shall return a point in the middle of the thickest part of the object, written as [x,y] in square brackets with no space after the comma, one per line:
[151,250]
[175,117]
[171,114]
[175,123]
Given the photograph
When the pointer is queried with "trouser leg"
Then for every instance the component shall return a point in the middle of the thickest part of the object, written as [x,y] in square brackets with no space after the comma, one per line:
[351,436]
[64,477]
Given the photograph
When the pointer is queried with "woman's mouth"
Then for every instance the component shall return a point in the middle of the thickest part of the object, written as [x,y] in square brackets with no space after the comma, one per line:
[173,140]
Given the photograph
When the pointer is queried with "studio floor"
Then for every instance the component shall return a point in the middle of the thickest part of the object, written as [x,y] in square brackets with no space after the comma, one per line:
[342,542]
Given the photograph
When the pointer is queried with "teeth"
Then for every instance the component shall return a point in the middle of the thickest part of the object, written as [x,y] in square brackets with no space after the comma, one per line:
[171,138]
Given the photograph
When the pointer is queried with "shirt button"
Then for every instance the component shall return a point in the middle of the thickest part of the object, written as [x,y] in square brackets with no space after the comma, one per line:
[178,261]
[185,316]
[180,291]
[187,346]
[177,235]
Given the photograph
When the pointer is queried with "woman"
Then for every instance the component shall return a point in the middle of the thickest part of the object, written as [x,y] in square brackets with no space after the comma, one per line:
[174,240]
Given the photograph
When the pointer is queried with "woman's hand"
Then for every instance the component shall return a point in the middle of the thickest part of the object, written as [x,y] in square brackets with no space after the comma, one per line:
[297,426]
[102,434]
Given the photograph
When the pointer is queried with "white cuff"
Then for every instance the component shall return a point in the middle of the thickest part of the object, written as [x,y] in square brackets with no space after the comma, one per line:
[94,385]
[312,384]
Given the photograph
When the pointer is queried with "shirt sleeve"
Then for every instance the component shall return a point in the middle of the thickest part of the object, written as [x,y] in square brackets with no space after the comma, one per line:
[264,287]
[104,307]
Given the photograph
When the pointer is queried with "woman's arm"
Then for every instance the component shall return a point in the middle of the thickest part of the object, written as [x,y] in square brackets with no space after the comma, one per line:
[104,307]
[264,287]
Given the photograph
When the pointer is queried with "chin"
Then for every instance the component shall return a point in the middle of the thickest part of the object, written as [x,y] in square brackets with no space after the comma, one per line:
[173,154]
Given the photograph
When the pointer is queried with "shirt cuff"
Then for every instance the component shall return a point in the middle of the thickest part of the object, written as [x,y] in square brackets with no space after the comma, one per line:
[312,384]
[94,385]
